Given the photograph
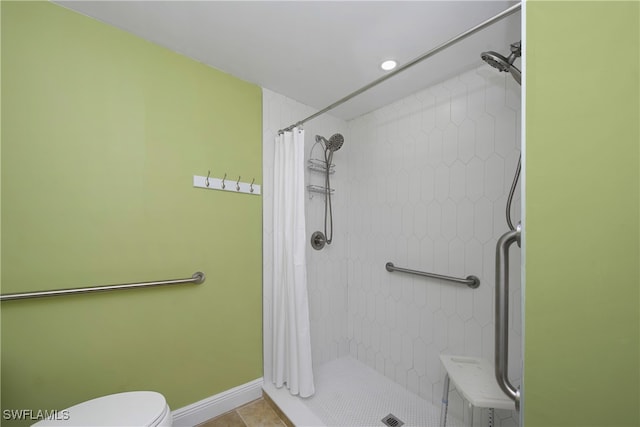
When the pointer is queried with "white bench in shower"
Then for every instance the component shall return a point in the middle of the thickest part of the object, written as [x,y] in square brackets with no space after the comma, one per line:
[475,379]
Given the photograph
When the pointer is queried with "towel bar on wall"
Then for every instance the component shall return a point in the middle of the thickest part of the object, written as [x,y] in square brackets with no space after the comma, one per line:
[197,278]
[471,281]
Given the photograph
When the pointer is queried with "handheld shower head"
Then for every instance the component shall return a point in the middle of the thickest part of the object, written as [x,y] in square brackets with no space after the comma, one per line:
[505,64]
[496,60]
[335,142]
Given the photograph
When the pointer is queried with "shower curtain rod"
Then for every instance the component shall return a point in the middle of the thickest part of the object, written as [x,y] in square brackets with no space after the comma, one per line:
[513,9]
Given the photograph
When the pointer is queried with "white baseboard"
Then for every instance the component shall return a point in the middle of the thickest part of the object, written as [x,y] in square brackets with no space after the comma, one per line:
[218,404]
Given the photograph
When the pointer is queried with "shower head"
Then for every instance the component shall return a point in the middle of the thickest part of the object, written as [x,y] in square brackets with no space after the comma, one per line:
[333,144]
[505,64]
[496,60]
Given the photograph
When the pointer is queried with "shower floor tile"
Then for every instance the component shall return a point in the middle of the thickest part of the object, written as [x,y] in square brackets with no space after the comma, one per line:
[349,393]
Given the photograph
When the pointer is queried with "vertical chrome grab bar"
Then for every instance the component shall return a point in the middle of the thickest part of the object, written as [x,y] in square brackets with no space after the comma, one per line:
[502,313]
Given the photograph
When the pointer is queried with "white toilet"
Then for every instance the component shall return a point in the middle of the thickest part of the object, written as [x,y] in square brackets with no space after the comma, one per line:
[132,409]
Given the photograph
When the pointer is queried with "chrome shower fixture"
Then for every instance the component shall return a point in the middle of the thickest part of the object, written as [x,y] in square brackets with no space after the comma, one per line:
[505,64]
[318,240]
[333,144]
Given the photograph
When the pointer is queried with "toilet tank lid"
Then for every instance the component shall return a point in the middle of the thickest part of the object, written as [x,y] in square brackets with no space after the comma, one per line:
[132,408]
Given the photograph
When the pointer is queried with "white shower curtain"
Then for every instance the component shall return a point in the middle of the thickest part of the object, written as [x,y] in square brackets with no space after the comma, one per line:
[291,336]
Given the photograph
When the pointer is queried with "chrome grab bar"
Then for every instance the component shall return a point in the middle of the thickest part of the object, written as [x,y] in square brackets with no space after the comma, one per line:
[502,313]
[471,281]
[197,278]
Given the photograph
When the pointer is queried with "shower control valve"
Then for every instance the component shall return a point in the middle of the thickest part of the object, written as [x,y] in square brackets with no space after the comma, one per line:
[318,240]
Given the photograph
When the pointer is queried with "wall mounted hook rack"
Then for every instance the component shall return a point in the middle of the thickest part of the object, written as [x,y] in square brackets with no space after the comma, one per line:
[219,184]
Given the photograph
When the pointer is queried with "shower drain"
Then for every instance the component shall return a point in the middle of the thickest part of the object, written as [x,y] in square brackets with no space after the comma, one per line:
[392,421]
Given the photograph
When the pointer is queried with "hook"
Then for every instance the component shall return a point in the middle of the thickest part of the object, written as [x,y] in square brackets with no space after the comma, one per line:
[238,184]
[225,177]
[206,181]
[251,186]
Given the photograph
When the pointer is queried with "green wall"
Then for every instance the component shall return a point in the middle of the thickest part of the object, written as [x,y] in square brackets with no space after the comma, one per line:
[101,135]
[582,236]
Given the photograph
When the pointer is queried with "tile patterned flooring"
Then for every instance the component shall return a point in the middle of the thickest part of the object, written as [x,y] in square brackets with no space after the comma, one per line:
[258,413]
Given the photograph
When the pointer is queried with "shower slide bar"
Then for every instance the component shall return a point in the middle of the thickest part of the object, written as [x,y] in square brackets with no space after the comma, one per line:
[507,12]
[471,281]
[197,278]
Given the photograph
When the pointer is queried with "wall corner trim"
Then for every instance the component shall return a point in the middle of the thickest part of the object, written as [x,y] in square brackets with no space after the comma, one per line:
[217,404]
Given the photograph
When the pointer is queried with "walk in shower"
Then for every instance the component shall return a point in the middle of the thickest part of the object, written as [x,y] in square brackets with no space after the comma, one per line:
[422,183]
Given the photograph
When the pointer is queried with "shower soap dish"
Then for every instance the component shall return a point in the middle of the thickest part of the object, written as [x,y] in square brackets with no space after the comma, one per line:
[318,165]
[319,189]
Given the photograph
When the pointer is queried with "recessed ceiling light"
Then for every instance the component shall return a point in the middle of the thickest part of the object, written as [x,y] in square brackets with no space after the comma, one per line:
[388,65]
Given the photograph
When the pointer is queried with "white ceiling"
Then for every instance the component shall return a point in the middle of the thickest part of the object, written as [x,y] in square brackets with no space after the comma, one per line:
[317,52]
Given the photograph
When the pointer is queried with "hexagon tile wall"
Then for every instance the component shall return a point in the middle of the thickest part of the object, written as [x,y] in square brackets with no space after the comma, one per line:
[428,181]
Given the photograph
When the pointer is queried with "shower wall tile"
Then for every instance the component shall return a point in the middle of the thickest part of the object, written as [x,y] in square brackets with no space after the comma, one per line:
[428,180]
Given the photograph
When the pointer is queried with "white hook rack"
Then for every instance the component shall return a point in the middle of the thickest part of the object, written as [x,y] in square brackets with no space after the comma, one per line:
[226,184]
